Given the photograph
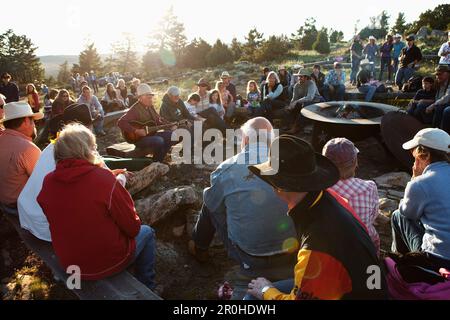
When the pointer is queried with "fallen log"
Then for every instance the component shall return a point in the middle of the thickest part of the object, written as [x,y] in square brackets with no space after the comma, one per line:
[142,179]
[161,205]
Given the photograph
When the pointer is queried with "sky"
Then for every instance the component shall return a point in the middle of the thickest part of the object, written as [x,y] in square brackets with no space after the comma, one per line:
[65,27]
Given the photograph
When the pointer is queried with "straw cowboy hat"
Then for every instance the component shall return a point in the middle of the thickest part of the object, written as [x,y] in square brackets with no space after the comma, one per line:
[300,169]
[16,110]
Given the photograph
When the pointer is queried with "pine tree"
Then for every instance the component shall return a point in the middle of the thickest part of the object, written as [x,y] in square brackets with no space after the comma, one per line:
[17,57]
[306,35]
[125,55]
[89,59]
[322,45]
[63,73]
[195,54]
[254,41]
[236,48]
[219,54]
[383,20]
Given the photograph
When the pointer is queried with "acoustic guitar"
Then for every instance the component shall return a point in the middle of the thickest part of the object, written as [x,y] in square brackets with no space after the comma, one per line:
[149,128]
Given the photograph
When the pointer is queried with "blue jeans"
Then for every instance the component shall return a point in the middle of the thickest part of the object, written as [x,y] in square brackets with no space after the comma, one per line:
[209,223]
[402,75]
[417,110]
[159,144]
[284,286]
[369,91]
[407,234]
[355,69]
[144,256]
[385,63]
[441,118]
[339,91]
[395,65]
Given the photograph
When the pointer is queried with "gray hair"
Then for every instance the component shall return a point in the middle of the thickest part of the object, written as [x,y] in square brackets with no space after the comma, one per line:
[76,141]
[173,91]
[273,73]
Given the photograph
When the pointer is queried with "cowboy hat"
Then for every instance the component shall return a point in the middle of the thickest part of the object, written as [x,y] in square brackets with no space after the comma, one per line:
[16,110]
[293,166]
[225,74]
[203,82]
[303,73]
[364,62]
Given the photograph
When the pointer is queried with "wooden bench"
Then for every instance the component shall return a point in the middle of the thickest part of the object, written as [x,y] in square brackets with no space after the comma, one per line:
[122,286]
[126,150]
[355,95]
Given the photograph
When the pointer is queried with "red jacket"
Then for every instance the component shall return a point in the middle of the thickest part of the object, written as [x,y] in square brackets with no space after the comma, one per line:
[92,218]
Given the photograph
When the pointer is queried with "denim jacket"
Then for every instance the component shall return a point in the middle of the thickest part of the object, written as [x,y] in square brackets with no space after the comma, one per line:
[257,219]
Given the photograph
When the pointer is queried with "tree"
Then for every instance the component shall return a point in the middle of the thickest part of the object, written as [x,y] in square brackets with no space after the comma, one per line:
[63,73]
[152,63]
[438,19]
[219,54]
[17,57]
[306,35]
[89,59]
[254,40]
[336,36]
[170,35]
[321,44]
[195,54]
[383,20]
[236,48]
[125,55]
[275,48]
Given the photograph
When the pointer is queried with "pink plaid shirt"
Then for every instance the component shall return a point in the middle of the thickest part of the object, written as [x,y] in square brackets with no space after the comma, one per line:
[362,195]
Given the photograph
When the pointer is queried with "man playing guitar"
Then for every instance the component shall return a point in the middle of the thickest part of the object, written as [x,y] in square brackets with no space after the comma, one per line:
[143,111]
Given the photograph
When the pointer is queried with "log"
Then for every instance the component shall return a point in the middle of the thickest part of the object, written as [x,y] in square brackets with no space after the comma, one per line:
[161,205]
[142,179]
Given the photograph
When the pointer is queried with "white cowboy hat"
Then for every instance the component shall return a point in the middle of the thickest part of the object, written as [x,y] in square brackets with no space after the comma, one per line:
[16,110]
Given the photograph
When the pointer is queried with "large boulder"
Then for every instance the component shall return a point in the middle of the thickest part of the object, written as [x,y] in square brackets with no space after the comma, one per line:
[393,180]
[422,33]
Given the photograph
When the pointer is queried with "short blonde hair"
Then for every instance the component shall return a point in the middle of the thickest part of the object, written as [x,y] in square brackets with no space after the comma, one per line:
[76,141]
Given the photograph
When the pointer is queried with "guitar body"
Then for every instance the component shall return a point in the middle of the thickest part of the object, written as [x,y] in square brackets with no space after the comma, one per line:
[150,128]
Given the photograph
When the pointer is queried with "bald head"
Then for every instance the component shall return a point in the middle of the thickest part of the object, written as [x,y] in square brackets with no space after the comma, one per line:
[257,129]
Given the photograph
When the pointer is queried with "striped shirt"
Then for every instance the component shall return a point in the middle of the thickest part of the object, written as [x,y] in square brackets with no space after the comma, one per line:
[362,195]
[18,157]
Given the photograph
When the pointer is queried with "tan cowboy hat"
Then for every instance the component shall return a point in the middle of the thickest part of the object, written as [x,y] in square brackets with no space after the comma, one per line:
[16,110]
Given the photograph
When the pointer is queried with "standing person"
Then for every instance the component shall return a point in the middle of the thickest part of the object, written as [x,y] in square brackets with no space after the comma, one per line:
[97,207]
[93,81]
[335,248]
[371,50]
[421,223]
[386,59]
[334,85]
[18,154]
[96,108]
[356,56]
[33,97]
[398,45]
[9,89]
[159,143]
[409,57]
[444,52]
[362,195]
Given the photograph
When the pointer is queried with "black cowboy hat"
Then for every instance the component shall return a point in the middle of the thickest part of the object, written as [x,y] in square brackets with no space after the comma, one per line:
[300,169]
[73,113]
[396,129]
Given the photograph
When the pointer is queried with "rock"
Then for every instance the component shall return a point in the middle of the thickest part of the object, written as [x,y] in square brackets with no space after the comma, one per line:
[142,179]
[438,34]
[422,33]
[167,264]
[393,179]
[382,193]
[161,205]
[395,194]
[387,206]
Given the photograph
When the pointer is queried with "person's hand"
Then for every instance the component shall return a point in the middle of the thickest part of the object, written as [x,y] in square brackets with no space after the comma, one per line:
[116,172]
[430,109]
[256,285]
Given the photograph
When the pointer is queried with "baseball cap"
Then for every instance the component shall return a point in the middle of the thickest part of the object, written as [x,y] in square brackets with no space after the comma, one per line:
[432,138]
[341,151]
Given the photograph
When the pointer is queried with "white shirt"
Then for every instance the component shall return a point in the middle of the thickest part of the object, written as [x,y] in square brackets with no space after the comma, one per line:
[31,216]
[444,48]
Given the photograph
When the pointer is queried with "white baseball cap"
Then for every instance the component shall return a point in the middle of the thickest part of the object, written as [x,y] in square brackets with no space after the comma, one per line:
[433,138]
[143,89]
[16,110]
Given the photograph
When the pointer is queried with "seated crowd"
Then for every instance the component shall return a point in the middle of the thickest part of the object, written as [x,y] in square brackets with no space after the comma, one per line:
[297,232]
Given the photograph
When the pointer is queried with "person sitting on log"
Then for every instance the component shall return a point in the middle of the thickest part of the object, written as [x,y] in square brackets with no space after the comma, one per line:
[144,112]
[334,85]
[18,154]
[421,223]
[96,206]
[318,77]
[362,195]
[335,250]
[97,112]
[245,213]
[110,102]
[62,101]
[422,99]
[173,108]
[439,111]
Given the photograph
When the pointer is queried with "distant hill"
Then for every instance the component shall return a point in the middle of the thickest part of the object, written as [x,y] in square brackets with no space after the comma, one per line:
[51,63]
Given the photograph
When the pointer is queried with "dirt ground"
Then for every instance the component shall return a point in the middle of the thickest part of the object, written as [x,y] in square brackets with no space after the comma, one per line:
[179,276]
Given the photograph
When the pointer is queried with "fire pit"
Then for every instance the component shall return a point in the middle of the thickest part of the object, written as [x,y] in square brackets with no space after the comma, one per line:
[354,120]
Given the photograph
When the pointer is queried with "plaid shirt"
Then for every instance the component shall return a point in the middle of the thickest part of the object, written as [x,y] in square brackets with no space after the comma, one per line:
[362,196]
